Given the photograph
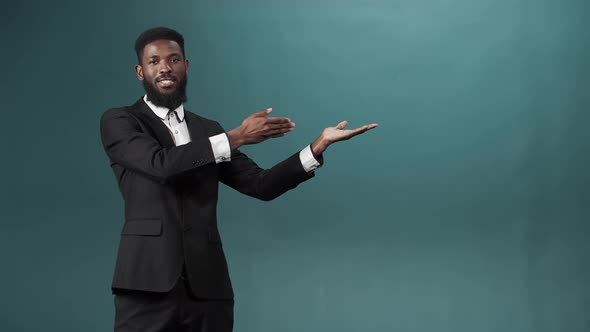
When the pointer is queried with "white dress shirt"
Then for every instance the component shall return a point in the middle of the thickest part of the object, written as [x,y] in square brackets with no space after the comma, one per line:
[219,143]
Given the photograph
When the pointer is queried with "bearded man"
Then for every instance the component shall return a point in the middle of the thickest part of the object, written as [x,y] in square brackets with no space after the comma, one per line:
[171,273]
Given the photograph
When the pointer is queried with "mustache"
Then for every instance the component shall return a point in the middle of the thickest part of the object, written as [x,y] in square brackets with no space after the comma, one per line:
[166,77]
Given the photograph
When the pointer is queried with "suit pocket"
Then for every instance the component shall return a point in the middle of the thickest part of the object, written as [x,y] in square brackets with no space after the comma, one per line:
[147,227]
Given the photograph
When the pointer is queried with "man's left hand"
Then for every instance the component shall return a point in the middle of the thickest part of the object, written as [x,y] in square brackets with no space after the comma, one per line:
[332,135]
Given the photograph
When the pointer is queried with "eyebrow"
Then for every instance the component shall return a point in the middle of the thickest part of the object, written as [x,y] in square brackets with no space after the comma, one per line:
[169,55]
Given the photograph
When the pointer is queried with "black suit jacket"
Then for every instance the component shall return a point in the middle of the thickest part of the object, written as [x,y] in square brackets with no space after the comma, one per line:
[170,195]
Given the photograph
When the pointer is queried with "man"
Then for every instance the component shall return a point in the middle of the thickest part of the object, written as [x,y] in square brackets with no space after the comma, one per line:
[171,273]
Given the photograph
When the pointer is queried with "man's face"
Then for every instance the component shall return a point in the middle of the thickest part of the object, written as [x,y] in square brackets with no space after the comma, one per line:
[163,70]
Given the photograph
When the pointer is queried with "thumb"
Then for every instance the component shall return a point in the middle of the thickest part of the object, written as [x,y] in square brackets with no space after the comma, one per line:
[264,112]
[341,125]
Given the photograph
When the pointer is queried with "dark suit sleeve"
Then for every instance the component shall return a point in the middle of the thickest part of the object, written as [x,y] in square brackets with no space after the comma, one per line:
[244,175]
[127,142]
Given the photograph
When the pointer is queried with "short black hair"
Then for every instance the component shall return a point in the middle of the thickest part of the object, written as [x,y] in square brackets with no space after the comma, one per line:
[154,34]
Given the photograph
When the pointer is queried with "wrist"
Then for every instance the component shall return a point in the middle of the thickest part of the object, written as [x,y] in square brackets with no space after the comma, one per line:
[319,146]
[235,138]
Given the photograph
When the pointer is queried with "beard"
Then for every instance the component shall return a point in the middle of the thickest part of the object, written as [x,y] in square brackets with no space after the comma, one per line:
[168,100]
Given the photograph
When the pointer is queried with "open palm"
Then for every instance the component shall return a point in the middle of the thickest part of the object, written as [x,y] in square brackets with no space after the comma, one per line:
[338,133]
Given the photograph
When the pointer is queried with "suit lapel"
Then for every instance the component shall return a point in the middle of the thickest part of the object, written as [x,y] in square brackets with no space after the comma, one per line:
[159,129]
[194,125]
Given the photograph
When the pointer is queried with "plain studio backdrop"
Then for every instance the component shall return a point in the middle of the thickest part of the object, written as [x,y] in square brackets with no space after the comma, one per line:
[466,210]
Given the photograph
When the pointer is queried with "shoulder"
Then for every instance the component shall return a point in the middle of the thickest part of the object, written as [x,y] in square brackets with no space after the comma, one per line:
[116,111]
[121,112]
[117,115]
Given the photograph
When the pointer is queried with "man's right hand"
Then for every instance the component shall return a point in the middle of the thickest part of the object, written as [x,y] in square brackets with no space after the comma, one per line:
[259,127]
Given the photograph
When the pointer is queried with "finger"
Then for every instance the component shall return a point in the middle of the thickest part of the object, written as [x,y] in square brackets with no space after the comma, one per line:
[353,132]
[341,125]
[362,129]
[369,127]
[278,120]
[264,112]
[278,131]
[372,125]
[280,125]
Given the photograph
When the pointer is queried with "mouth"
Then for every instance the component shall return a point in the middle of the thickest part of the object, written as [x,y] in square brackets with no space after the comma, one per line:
[166,82]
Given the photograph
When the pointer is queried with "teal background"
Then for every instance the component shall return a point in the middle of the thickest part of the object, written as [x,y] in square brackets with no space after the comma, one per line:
[466,210]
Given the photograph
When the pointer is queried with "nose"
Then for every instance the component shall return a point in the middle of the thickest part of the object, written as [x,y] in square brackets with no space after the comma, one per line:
[165,67]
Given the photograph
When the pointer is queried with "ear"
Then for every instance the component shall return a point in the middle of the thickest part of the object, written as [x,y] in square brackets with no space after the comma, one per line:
[186,66]
[139,72]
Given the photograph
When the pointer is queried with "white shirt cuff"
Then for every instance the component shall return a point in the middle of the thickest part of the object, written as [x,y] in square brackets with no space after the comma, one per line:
[221,148]
[307,160]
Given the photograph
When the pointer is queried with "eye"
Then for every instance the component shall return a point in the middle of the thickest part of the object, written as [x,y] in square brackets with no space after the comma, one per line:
[153,62]
[175,60]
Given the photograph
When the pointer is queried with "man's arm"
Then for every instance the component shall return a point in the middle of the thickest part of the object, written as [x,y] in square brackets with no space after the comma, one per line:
[127,142]
[245,176]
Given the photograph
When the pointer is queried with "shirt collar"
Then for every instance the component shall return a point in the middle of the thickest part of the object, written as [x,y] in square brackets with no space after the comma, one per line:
[161,112]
